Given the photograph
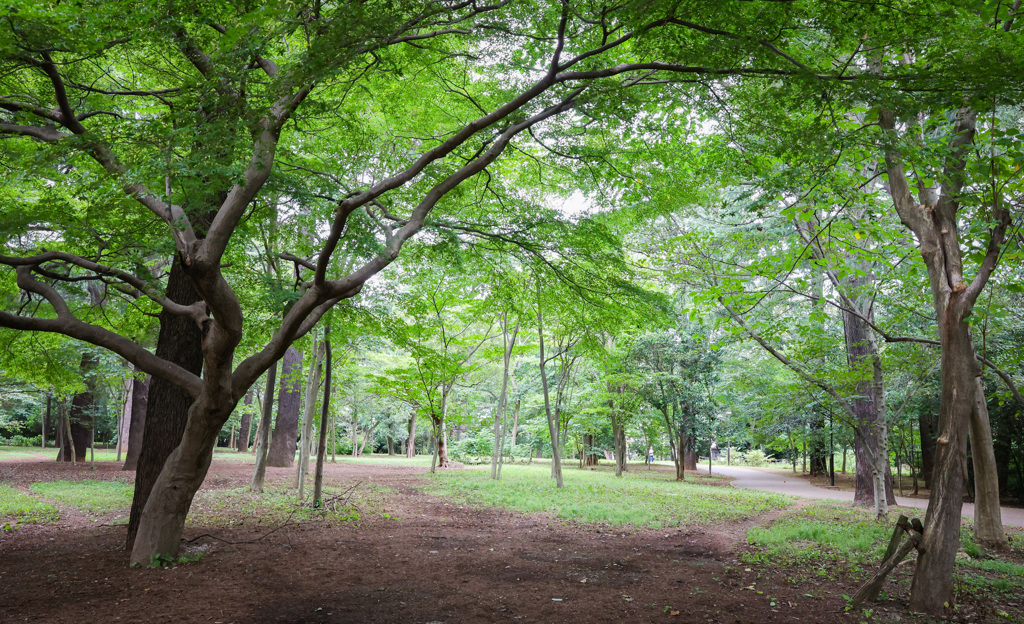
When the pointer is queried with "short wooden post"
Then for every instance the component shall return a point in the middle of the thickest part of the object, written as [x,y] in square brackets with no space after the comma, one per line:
[893,556]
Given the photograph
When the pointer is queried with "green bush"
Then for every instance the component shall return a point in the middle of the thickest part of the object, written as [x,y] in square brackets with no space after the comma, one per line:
[754,457]
[472,448]
[20,440]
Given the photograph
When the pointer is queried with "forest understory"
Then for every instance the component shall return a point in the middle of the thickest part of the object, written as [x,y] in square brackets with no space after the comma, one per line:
[386,550]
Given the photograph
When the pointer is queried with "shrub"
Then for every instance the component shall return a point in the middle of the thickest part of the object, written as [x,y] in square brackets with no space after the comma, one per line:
[755,457]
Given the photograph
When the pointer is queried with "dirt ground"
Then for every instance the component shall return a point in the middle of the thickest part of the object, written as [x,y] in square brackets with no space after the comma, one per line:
[413,557]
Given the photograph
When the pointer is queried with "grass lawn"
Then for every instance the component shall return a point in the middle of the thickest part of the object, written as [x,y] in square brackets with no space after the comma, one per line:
[21,508]
[97,497]
[824,531]
[640,498]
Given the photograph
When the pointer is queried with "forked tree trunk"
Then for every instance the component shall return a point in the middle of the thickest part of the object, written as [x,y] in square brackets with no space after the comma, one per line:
[937,230]
[137,421]
[167,405]
[163,518]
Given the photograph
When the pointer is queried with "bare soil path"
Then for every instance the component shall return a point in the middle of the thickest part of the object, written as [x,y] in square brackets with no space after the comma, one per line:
[411,557]
[774,481]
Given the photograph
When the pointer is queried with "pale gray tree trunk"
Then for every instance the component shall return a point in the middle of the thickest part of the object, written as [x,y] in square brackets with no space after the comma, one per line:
[325,410]
[988,525]
[312,386]
[509,343]
[937,230]
[556,461]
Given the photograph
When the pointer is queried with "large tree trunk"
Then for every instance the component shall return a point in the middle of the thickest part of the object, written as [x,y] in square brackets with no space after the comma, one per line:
[936,226]
[988,525]
[81,414]
[137,421]
[179,342]
[286,431]
[163,517]
[932,587]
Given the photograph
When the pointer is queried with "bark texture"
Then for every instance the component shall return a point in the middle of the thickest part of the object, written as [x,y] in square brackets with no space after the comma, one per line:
[286,430]
[180,342]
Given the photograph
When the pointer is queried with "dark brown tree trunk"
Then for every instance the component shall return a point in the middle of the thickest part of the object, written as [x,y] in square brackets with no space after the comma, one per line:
[619,436]
[80,418]
[245,426]
[590,456]
[819,450]
[137,421]
[410,448]
[286,431]
[47,416]
[179,342]
[868,411]
[933,578]
[81,414]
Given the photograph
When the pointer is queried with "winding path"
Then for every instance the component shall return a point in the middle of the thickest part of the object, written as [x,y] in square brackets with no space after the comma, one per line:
[769,481]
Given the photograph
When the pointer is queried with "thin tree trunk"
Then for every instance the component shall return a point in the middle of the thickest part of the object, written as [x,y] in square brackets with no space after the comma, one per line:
[556,462]
[321,447]
[124,416]
[499,417]
[312,386]
[47,415]
[259,473]
[410,447]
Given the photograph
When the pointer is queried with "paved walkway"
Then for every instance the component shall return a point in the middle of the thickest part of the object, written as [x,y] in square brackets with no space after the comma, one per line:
[769,481]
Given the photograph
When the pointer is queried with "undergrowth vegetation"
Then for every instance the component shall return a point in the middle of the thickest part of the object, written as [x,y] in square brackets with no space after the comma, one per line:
[19,508]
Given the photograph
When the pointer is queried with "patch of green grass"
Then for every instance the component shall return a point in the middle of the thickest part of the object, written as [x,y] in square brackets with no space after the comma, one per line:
[278,504]
[98,497]
[820,532]
[1005,568]
[23,509]
[598,496]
